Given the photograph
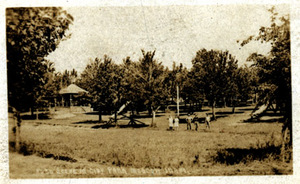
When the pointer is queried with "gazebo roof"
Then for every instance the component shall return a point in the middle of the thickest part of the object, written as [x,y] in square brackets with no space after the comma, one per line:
[72,89]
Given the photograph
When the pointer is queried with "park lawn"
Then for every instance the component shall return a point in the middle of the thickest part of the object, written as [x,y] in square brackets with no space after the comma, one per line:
[60,145]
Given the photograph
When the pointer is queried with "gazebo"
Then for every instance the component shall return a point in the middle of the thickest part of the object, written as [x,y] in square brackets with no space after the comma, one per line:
[69,91]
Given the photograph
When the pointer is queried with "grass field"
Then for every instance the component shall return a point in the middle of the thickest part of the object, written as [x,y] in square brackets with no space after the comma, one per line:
[75,147]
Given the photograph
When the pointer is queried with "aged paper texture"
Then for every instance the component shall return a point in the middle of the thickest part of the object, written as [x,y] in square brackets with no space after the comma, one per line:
[149,91]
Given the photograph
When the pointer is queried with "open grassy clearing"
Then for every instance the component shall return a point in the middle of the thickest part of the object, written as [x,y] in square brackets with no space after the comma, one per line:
[68,146]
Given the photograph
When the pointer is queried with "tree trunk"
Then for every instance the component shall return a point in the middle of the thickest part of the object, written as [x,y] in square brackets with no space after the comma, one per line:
[255,91]
[149,106]
[149,111]
[291,136]
[116,119]
[283,148]
[233,105]
[233,108]
[100,115]
[177,100]
[289,122]
[37,114]
[200,106]
[153,124]
[213,110]
[18,127]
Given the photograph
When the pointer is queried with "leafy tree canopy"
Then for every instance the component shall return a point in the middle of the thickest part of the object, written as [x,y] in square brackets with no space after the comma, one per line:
[102,78]
[274,69]
[32,33]
[213,72]
[150,77]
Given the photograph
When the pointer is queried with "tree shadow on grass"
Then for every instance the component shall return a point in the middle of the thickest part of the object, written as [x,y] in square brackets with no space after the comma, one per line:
[42,116]
[246,109]
[141,116]
[232,156]
[92,113]
[88,122]
[271,113]
[220,116]
[107,126]
[188,111]
[229,113]
[258,120]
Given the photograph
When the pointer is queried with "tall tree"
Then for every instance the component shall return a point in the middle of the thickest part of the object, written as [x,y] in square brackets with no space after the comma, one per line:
[31,34]
[213,71]
[150,80]
[50,87]
[130,89]
[246,82]
[102,78]
[193,91]
[176,77]
[54,82]
[274,69]
[68,77]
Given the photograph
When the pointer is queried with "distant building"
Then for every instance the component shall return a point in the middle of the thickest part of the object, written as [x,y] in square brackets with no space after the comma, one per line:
[68,92]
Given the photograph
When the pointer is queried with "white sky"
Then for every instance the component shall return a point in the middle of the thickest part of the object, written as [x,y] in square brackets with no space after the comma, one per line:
[176,32]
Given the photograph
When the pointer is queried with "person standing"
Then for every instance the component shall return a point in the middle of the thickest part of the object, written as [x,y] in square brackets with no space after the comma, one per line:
[176,123]
[207,121]
[170,122]
[189,120]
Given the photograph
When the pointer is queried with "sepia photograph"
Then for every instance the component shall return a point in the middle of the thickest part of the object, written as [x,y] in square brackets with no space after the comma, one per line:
[149,91]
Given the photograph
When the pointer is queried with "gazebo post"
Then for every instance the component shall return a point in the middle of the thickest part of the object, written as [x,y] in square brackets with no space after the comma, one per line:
[62,100]
[70,100]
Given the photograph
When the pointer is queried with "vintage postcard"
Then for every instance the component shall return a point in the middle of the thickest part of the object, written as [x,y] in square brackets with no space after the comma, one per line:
[148,91]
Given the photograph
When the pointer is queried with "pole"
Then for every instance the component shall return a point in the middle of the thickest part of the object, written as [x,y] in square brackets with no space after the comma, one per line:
[177,101]
[37,113]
